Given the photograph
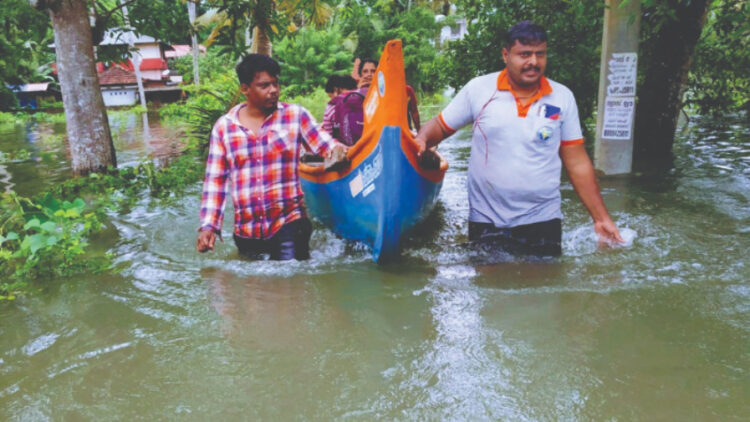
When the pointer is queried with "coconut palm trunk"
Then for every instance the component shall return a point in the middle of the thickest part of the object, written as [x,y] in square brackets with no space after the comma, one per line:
[261,42]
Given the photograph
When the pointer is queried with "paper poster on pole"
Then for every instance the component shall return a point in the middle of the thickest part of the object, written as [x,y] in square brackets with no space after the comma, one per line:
[619,104]
[618,117]
[623,70]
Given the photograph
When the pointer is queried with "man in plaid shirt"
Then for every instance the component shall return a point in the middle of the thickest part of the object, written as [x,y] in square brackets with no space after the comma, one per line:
[256,147]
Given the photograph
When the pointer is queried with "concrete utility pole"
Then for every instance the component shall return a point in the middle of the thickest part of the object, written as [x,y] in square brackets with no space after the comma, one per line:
[613,147]
[136,57]
[194,39]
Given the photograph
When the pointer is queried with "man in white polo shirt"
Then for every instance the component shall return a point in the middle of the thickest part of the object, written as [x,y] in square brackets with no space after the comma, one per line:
[525,127]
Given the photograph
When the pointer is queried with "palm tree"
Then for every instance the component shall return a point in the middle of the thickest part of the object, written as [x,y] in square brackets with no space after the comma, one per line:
[267,18]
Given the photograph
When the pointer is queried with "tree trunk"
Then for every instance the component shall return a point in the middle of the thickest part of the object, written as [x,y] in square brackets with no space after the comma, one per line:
[261,42]
[660,96]
[90,140]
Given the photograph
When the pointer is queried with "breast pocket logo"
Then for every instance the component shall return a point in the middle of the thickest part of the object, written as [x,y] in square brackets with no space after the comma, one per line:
[544,133]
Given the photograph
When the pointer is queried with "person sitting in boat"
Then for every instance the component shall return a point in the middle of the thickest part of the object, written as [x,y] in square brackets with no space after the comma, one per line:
[331,85]
[525,127]
[339,84]
[347,110]
[253,153]
[367,68]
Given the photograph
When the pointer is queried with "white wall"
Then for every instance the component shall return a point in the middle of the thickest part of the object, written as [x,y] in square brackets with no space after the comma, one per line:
[452,34]
[149,51]
[152,75]
[118,97]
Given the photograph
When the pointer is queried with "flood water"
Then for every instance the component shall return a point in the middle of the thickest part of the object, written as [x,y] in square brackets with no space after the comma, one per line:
[656,330]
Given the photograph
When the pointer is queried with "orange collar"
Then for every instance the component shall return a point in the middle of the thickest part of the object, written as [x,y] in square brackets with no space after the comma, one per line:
[544,89]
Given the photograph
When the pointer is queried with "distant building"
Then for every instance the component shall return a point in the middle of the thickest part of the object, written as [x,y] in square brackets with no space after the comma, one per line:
[119,86]
[180,50]
[31,95]
[452,32]
[118,81]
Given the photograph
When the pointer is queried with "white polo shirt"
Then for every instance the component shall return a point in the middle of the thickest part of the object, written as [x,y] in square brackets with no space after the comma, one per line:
[514,168]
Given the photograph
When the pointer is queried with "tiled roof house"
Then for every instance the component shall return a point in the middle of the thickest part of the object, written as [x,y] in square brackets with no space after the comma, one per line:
[119,86]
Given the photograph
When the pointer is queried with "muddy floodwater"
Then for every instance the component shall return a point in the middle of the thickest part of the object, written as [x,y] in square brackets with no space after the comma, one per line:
[656,330]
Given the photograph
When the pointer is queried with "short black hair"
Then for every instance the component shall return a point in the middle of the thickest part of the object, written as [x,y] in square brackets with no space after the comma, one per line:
[334,81]
[368,60]
[525,32]
[256,63]
[347,82]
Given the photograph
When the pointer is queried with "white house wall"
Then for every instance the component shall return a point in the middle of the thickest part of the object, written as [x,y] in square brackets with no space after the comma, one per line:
[149,51]
[119,97]
[153,75]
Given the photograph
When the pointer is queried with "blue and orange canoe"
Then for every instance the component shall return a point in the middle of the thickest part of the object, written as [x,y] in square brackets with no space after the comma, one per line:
[382,192]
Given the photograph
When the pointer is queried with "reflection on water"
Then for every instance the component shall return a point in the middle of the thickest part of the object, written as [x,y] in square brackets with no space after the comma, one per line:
[260,312]
[657,329]
[136,137]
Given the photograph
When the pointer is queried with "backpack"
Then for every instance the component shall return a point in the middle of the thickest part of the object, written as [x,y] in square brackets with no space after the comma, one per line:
[348,120]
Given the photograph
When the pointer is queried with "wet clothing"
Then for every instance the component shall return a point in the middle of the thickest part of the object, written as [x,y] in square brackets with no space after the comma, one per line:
[292,241]
[542,239]
[514,167]
[261,170]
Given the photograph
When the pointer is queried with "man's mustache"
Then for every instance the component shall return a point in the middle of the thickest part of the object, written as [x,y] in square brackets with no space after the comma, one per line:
[536,68]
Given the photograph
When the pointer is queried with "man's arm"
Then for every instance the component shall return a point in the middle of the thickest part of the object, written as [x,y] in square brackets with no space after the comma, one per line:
[318,140]
[214,193]
[581,173]
[431,134]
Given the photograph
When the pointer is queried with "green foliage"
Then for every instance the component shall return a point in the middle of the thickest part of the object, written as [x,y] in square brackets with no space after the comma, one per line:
[372,24]
[24,56]
[309,58]
[165,20]
[574,30]
[15,156]
[204,106]
[719,81]
[43,117]
[8,99]
[232,18]
[362,22]
[213,62]
[416,29]
[7,119]
[127,184]
[50,104]
[44,239]
[315,102]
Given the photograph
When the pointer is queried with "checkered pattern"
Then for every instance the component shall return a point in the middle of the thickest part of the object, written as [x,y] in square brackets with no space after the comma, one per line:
[263,170]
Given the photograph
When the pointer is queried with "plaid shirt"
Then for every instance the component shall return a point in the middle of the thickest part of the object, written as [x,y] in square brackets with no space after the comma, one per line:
[262,168]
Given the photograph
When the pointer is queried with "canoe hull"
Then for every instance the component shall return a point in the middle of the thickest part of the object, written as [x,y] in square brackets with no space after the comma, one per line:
[383,191]
[377,202]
